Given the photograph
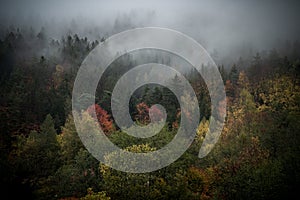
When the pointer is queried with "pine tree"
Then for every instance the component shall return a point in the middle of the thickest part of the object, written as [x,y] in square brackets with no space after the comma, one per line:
[233,75]
[69,140]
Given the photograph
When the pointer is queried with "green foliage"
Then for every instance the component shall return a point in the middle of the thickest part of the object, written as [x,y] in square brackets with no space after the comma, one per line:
[256,157]
[233,74]
[39,152]
[69,140]
[37,156]
[72,179]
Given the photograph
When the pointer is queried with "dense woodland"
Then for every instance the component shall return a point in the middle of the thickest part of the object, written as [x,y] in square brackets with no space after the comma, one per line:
[42,157]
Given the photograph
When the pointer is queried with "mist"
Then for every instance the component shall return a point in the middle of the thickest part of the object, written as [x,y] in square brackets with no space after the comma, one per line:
[63,96]
[224,28]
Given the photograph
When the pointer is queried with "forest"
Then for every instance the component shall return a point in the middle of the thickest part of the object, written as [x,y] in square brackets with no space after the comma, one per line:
[257,156]
[42,157]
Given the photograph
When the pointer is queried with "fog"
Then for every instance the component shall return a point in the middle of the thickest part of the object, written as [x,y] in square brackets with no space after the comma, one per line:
[220,26]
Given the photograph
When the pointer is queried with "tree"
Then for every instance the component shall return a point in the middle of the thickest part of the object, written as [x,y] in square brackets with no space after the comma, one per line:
[243,81]
[41,151]
[103,118]
[233,75]
[37,156]
[95,196]
[122,185]
[69,141]
[255,68]
[143,113]
[72,179]
[223,73]
[42,37]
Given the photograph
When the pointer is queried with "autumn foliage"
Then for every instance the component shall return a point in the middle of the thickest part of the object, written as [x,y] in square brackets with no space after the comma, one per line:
[104,119]
[144,113]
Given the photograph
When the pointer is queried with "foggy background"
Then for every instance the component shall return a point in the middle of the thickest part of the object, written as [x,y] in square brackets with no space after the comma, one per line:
[224,28]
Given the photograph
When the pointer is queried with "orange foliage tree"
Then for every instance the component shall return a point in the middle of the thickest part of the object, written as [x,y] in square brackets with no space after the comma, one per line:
[104,119]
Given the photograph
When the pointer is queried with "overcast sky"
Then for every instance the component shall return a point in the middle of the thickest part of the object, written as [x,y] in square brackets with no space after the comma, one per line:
[219,24]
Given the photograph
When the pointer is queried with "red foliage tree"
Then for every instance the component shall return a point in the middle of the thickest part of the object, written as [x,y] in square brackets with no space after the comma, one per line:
[144,113]
[156,114]
[104,119]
